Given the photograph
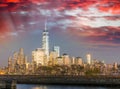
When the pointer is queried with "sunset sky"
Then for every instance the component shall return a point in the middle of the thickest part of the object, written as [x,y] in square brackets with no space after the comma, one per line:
[77,26]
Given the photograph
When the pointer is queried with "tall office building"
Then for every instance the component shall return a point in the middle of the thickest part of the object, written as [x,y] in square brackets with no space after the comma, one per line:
[21,56]
[15,58]
[57,50]
[88,58]
[10,64]
[66,59]
[52,58]
[115,65]
[38,56]
[59,61]
[45,40]
[79,61]
[73,61]
[41,55]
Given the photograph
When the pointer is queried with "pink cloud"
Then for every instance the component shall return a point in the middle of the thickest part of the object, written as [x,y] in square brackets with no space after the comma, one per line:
[99,36]
[34,11]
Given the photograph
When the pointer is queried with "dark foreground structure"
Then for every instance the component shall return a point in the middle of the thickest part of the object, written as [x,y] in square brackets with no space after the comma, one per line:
[65,80]
[7,84]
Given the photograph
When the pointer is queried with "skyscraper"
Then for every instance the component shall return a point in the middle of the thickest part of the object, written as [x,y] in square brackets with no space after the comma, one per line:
[10,64]
[57,50]
[38,56]
[66,59]
[45,40]
[88,58]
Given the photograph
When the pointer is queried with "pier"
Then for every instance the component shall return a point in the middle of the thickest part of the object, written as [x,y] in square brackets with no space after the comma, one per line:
[7,84]
[66,80]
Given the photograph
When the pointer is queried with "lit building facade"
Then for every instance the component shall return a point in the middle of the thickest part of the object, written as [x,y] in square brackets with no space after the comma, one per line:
[66,59]
[88,58]
[115,65]
[52,58]
[79,61]
[10,65]
[59,61]
[38,56]
[73,60]
[57,50]
[17,63]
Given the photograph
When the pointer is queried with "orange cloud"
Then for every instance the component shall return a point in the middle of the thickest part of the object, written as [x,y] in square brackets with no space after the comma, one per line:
[14,1]
[112,6]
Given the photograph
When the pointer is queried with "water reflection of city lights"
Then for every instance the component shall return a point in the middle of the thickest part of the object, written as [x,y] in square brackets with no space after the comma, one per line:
[40,87]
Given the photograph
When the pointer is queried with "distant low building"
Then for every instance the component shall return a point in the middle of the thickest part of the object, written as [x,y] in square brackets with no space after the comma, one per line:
[115,65]
[79,61]
[59,61]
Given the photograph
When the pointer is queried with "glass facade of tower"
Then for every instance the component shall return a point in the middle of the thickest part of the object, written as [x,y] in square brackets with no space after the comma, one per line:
[45,42]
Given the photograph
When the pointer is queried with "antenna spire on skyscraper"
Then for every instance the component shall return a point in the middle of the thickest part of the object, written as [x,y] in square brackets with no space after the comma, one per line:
[46,25]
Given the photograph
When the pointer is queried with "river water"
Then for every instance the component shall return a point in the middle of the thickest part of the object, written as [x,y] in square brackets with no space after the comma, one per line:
[26,86]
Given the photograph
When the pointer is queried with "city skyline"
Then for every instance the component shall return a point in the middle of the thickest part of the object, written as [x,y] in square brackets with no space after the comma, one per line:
[99,38]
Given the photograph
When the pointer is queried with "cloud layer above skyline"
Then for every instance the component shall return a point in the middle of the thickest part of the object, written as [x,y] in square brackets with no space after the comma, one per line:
[96,21]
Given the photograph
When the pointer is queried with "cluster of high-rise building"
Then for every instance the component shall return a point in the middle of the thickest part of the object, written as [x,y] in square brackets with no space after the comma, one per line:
[18,63]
